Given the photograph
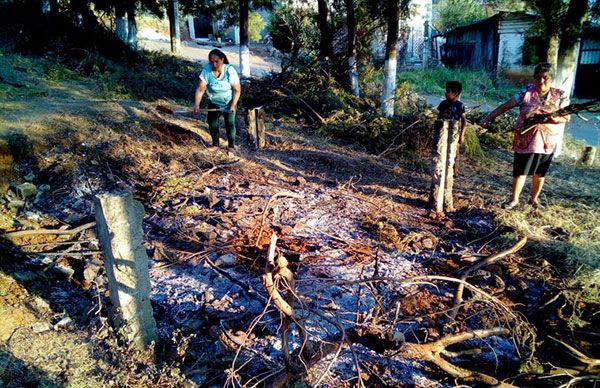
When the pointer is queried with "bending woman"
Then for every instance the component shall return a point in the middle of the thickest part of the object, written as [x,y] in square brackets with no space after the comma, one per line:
[222,83]
[534,145]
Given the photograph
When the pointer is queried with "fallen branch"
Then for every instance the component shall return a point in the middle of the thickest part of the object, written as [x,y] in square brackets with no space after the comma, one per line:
[431,352]
[39,232]
[458,298]
[266,209]
[322,121]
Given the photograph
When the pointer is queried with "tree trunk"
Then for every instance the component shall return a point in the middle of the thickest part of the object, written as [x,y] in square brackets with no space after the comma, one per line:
[120,27]
[567,49]
[244,49]
[174,26]
[82,16]
[326,43]
[131,25]
[389,84]
[549,11]
[352,66]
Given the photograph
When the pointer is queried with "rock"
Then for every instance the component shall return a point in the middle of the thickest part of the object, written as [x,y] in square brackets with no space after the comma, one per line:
[74,218]
[63,323]
[205,231]
[300,181]
[16,205]
[40,327]
[428,243]
[193,324]
[26,190]
[92,268]
[227,260]
[212,200]
[23,276]
[208,296]
[41,305]
[29,177]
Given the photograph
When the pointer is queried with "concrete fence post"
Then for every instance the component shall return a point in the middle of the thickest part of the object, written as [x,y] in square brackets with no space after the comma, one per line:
[119,229]
[438,173]
[453,137]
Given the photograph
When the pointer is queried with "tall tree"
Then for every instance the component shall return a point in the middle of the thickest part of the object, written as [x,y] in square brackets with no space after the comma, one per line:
[326,42]
[244,49]
[120,23]
[567,49]
[352,65]
[174,26]
[548,26]
[131,23]
[391,45]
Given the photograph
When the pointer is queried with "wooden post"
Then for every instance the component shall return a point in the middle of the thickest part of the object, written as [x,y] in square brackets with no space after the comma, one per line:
[119,230]
[438,174]
[260,128]
[252,127]
[256,127]
[453,137]
[589,154]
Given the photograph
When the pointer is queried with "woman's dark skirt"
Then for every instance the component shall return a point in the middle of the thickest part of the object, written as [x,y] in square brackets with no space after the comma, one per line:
[531,164]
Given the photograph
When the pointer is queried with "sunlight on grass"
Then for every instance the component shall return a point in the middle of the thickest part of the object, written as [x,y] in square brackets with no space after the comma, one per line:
[567,229]
[477,85]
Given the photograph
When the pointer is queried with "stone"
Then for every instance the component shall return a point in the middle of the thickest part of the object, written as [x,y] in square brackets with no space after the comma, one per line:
[227,260]
[212,200]
[63,323]
[300,181]
[205,231]
[40,327]
[26,190]
[16,205]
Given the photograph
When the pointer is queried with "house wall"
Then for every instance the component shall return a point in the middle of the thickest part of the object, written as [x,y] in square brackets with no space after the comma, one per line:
[587,78]
[511,37]
[472,48]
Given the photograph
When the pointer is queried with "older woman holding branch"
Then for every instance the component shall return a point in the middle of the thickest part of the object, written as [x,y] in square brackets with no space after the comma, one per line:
[537,138]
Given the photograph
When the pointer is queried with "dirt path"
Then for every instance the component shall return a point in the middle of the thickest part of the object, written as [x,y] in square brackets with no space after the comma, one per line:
[261,62]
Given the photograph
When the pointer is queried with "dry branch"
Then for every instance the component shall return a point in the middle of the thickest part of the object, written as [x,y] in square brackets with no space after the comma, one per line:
[264,213]
[458,298]
[432,352]
[39,232]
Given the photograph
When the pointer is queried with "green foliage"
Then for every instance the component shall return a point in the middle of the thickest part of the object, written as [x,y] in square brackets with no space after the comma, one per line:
[454,13]
[477,85]
[293,29]
[255,26]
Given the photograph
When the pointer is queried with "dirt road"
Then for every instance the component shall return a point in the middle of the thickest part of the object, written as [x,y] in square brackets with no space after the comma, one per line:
[261,62]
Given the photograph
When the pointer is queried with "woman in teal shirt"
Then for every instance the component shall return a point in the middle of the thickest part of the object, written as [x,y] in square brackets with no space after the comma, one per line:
[222,84]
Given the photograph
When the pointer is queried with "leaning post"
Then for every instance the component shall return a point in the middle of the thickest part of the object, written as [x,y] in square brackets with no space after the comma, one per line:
[119,229]
[256,127]
[453,137]
[438,174]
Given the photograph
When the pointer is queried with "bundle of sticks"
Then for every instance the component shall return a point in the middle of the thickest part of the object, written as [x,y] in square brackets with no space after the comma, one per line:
[589,106]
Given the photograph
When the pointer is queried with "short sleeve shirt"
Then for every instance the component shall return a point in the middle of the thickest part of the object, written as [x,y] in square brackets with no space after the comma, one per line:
[451,110]
[220,90]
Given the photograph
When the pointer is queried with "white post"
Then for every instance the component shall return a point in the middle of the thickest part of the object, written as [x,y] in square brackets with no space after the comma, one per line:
[119,230]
